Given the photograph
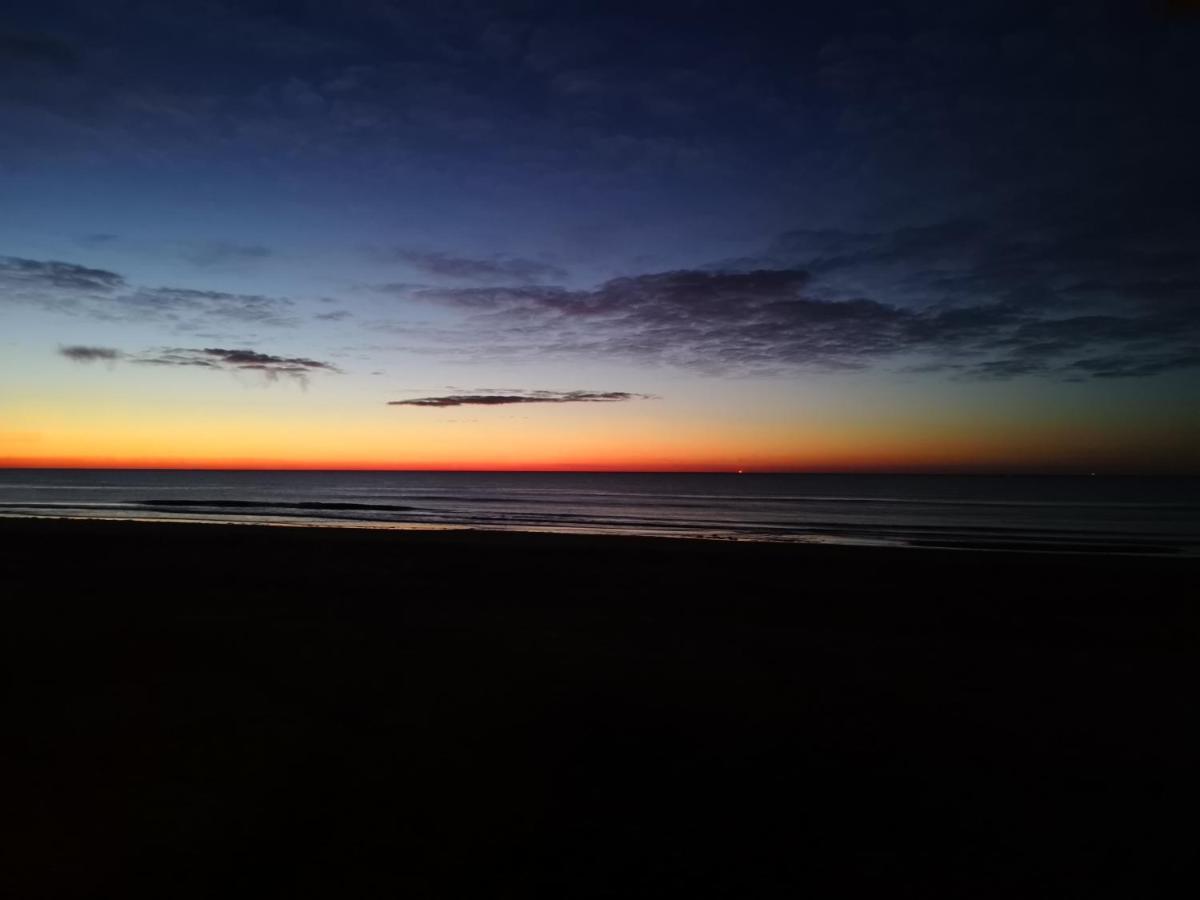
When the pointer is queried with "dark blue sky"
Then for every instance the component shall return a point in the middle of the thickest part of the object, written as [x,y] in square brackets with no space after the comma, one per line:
[963,193]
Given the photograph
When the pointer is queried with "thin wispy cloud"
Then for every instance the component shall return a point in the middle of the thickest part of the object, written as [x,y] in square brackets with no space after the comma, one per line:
[215,254]
[454,267]
[484,398]
[72,289]
[269,365]
[190,310]
[17,273]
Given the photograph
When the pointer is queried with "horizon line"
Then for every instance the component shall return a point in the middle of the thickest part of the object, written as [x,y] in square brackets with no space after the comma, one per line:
[983,472]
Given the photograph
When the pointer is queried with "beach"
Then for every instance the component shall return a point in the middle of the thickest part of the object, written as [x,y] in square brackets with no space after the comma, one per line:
[213,710]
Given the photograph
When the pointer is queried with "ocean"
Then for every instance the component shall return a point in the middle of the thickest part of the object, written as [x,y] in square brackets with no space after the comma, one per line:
[1051,513]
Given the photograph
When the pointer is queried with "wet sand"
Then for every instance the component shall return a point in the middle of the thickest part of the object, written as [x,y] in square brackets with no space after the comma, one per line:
[202,711]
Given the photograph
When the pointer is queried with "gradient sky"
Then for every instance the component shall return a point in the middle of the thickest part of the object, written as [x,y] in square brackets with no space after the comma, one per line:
[652,235]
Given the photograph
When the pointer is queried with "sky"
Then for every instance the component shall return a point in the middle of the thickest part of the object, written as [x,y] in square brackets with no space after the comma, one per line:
[906,236]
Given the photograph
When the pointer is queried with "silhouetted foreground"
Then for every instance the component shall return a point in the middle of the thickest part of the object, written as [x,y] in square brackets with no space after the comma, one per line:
[203,711]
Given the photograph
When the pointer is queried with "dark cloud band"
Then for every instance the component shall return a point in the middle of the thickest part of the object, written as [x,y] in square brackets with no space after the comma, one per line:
[771,320]
[490,399]
[80,353]
[270,365]
[217,358]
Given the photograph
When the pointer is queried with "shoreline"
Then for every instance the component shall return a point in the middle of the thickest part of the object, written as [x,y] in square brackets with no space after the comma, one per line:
[1070,546]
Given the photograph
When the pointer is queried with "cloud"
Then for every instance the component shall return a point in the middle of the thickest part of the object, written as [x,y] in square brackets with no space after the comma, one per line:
[691,318]
[485,398]
[464,268]
[337,316]
[16,272]
[73,289]
[272,367]
[246,358]
[223,253]
[1100,257]
[1138,366]
[189,308]
[81,353]
[773,320]
[242,359]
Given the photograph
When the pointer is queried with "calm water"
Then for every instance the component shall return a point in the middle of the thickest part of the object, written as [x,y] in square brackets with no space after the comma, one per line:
[1141,515]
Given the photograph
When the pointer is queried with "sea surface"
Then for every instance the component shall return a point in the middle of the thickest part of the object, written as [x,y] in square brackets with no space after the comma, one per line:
[1096,514]
[1051,513]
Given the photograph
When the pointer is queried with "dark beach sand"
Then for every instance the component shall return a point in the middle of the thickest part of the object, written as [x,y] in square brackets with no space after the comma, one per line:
[211,711]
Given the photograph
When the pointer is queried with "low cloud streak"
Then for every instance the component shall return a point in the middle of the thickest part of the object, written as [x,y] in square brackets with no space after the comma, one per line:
[269,365]
[84,354]
[483,398]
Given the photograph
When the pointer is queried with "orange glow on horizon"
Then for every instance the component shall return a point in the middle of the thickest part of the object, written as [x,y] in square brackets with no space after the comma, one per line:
[72,462]
[855,465]
[650,439]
